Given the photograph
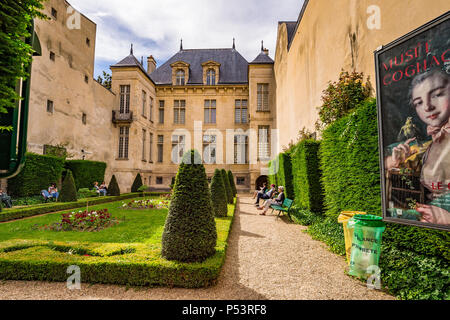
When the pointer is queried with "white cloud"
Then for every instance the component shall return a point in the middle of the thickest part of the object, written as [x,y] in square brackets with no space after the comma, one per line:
[156,26]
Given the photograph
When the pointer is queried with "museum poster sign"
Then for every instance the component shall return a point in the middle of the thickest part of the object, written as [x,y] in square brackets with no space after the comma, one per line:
[413,91]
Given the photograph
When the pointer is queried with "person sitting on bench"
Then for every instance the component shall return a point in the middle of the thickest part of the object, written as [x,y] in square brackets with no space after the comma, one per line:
[51,193]
[278,201]
[101,191]
[5,199]
[262,189]
[265,196]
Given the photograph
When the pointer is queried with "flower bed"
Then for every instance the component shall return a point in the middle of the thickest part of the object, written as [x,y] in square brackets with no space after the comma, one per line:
[146,204]
[90,221]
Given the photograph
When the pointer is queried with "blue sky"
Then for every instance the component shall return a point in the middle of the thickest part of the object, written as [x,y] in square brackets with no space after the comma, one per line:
[155,27]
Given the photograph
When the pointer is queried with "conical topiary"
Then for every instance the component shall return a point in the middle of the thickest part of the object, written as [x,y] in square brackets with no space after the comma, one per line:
[218,195]
[227,186]
[113,188]
[190,231]
[232,184]
[68,189]
[172,183]
[137,183]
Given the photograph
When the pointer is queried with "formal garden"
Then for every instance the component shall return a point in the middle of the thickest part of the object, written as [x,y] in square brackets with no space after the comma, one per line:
[340,173]
[135,239]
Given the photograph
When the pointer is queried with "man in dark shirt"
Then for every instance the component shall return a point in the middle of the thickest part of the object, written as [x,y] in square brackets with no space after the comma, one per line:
[267,195]
[278,201]
[5,199]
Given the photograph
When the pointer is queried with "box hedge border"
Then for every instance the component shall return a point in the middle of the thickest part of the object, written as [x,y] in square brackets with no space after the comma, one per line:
[108,268]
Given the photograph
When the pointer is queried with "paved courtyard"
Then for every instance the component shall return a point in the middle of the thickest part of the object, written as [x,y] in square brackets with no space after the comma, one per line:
[267,258]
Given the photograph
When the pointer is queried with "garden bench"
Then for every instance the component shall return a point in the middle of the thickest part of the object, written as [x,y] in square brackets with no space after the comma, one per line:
[284,208]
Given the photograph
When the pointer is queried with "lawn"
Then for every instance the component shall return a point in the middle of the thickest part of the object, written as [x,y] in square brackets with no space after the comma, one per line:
[128,253]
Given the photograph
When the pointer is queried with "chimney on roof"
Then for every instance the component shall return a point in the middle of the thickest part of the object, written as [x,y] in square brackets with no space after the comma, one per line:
[151,64]
[265,50]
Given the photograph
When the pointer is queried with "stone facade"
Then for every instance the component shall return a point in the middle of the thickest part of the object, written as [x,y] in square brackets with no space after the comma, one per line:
[330,36]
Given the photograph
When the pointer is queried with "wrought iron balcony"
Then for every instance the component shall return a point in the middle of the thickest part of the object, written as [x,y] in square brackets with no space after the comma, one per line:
[118,117]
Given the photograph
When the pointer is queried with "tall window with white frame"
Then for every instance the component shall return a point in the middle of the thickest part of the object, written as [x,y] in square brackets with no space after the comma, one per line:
[263,143]
[144,144]
[151,148]
[124,99]
[241,149]
[160,148]
[178,147]
[263,97]
[151,109]
[124,133]
[209,149]
[144,103]
[211,77]
[179,112]
[210,111]
[241,111]
[180,78]
[161,111]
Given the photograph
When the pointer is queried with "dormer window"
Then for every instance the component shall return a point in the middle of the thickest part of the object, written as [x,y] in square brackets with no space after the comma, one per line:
[211,77]
[181,78]
[180,73]
[211,73]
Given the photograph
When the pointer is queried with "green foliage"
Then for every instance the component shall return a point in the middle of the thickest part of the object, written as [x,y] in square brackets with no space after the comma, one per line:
[232,184]
[307,176]
[113,187]
[190,231]
[68,190]
[16,19]
[86,172]
[273,169]
[86,193]
[172,184]
[350,162]
[226,182]
[341,97]
[137,183]
[37,174]
[284,175]
[105,80]
[218,195]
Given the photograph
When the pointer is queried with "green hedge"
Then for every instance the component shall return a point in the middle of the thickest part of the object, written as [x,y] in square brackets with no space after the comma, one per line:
[307,176]
[350,163]
[38,173]
[13,214]
[272,171]
[415,262]
[131,264]
[85,173]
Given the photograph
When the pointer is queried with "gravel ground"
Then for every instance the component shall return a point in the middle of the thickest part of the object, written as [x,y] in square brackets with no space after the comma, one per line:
[267,258]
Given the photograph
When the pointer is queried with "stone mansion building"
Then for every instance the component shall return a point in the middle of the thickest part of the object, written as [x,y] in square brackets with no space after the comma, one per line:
[212,100]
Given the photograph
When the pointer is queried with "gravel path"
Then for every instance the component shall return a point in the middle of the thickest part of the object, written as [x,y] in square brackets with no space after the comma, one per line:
[267,258]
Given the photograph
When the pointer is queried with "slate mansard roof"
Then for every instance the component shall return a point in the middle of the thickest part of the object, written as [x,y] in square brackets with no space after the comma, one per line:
[233,67]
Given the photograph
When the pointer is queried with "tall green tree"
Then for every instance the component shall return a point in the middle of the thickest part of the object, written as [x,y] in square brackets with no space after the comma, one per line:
[232,184]
[190,231]
[113,187]
[218,195]
[68,189]
[137,183]
[226,181]
[16,17]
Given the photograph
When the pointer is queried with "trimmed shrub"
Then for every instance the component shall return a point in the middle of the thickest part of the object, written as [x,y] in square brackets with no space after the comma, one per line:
[306,175]
[37,174]
[113,188]
[284,175]
[350,162]
[68,190]
[85,172]
[218,196]
[226,182]
[232,184]
[273,170]
[137,183]
[190,231]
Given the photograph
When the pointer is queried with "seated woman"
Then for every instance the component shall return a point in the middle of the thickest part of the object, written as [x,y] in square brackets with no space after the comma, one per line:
[278,201]
[103,188]
[5,199]
[52,192]
[262,190]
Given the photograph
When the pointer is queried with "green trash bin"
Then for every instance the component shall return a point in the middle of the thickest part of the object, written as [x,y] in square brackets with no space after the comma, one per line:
[366,244]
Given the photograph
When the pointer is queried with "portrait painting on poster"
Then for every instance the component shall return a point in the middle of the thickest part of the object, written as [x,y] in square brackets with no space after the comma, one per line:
[413,97]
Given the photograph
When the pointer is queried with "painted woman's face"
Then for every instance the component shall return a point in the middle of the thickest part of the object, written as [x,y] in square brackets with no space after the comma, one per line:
[431,98]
